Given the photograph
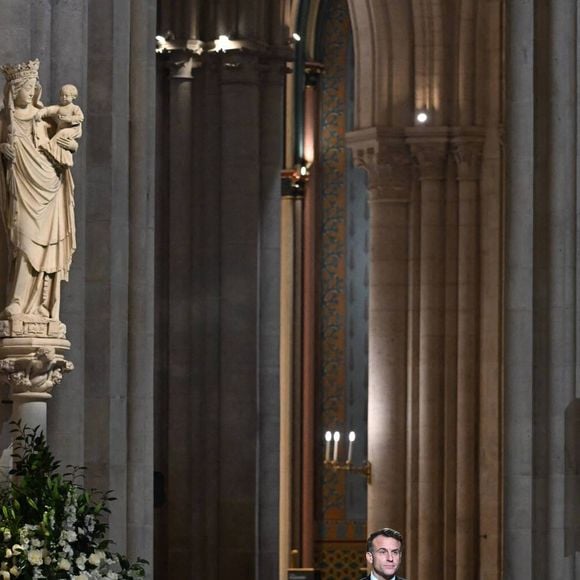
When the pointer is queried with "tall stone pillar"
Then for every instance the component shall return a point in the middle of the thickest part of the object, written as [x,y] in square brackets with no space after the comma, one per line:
[519,294]
[467,149]
[175,407]
[219,263]
[141,253]
[287,377]
[429,146]
[68,48]
[239,313]
[542,324]
[271,136]
[309,321]
[386,158]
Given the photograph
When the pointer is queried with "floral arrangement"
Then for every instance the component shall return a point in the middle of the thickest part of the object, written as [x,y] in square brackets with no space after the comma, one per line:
[50,525]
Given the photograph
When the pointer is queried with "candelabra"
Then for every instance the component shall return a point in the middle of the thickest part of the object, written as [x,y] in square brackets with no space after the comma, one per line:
[336,465]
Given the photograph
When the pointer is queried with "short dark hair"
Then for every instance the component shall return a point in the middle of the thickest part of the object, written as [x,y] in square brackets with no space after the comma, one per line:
[387,533]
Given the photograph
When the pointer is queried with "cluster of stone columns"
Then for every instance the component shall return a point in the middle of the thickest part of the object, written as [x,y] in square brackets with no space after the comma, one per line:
[424,424]
[542,464]
[219,250]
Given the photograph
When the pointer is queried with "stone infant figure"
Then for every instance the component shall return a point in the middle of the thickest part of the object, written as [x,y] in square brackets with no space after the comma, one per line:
[68,118]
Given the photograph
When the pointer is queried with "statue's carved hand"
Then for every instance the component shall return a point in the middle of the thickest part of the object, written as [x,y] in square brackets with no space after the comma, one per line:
[7,150]
[67,143]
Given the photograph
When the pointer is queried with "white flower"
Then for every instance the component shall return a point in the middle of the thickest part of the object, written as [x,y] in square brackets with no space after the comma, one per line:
[112,576]
[14,571]
[35,557]
[94,559]
[7,534]
[5,575]
[47,559]
[81,577]
[68,536]
[63,564]
[36,542]
[17,549]
[8,553]
[80,562]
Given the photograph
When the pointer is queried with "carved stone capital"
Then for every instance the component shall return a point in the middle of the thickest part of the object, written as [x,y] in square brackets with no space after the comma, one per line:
[384,155]
[429,146]
[431,159]
[29,368]
[182,62]
[467,147]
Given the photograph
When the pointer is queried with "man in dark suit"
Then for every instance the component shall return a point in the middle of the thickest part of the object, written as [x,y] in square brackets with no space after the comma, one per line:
[384,554]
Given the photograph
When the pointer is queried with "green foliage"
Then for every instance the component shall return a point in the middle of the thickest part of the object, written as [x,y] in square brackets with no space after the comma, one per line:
[50,525]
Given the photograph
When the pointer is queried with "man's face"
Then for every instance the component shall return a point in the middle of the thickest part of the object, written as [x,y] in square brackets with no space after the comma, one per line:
[385,558]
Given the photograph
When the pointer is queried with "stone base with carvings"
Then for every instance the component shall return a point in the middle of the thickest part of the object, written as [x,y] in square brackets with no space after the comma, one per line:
[33,365]
[30,325]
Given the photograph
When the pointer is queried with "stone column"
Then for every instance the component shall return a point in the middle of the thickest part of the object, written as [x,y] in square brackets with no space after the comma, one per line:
[31,367]
[385,156]
[271,137]
[467,149]
[176,350]
[219,323]
[287,270]
[141,283]
[429,146]
[309,434]
[519,292]
[239,306]
[65,46]
[541,311]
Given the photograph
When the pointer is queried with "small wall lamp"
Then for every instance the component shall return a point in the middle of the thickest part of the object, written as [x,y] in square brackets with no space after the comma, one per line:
[333,440]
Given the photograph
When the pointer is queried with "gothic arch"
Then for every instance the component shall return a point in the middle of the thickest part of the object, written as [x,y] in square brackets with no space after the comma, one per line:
[383,35]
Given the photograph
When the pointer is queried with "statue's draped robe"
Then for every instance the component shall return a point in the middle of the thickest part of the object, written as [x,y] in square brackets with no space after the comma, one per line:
[37,202]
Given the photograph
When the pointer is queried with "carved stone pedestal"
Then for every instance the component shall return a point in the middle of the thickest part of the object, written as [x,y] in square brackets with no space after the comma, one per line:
[31,367]
[33,326]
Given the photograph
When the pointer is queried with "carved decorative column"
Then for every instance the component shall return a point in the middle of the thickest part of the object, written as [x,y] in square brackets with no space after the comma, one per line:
[386,158]
[31,368]
[467,149]
[429,146]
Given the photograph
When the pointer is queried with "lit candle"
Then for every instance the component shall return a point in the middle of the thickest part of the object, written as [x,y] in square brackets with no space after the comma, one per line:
[336,440]
[328,439]
[351,438]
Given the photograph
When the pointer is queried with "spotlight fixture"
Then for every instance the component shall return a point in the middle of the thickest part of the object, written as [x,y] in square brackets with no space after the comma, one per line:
[222,43]
[296,37]
[422,117]
[161,41]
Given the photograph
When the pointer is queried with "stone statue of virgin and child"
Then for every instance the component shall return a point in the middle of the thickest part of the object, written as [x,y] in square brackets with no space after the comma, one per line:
[36,193]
